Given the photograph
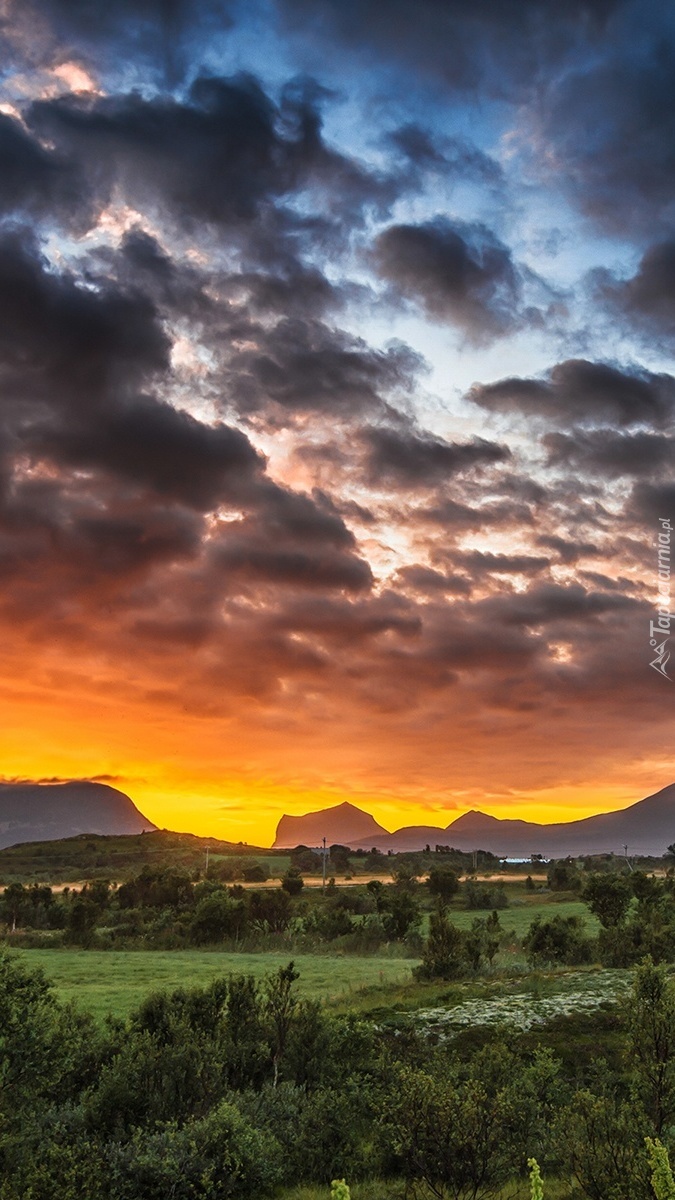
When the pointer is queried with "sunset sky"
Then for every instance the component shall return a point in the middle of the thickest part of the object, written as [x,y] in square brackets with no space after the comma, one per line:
[337,404]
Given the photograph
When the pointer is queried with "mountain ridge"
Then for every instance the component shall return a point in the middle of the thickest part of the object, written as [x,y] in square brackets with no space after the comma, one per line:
[647,826]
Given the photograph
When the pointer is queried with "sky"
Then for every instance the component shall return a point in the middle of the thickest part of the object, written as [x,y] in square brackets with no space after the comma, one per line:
[337,405]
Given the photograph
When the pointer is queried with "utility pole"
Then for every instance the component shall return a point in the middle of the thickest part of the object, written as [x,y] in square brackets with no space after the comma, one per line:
[475,860]
[206,868]
[323,871]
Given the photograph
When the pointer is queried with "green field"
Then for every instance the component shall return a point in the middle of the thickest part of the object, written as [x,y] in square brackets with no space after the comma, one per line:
[117,981]
[519,917]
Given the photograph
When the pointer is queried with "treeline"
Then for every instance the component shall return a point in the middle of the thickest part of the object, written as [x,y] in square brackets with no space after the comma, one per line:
[164,908]
[168,908]
[237,1089]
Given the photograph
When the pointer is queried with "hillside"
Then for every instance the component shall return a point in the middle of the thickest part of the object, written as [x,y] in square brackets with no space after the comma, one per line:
[96,856]
[646,827]
[31,812]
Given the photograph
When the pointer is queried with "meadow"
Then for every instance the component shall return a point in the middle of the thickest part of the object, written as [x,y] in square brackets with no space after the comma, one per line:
[116,982]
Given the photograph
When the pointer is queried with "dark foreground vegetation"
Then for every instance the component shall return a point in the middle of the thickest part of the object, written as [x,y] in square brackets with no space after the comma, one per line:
[241,1089]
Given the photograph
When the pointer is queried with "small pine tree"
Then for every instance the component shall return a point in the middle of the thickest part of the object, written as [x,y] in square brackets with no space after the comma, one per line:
[444,954]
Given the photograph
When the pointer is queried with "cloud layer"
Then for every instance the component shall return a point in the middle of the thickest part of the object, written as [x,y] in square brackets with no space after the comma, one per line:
[320,441]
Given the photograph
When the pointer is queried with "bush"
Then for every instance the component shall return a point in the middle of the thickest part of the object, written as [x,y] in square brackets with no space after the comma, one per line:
[559,940]
[220,1157]
[563,876]
[482,895]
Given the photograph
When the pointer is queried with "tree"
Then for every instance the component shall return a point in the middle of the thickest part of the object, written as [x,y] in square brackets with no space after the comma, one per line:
[14,905]
[217,916]
[400,912]
[443,883]
[280,1006]
[482,940]
[339,858]
[253,871]
[292,882]
[651,1026]
[82,918]
[563,876]
[608,897]
[405,876]
[662,1175]
[217,1156]
[271,910]
[482,895]
[444,955]
[598,1137]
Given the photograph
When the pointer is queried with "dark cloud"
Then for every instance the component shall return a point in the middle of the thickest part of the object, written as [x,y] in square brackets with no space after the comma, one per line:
[454,158]
[459,272]
[578,391]
[497,43]
[454,516]
[610,452]
[155,34]
[547,603]
[302,567]
[171,452]
[218,157]
[292,541]
[38,181]
[428,582]
[301,365]
[67,344]
[650,502]
[480,562]
[73,358]
[412,459]
[620,163]
[646,301]
[569,552]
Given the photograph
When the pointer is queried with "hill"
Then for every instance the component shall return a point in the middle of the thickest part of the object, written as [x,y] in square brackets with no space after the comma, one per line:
[646,827]
[96,856]
[31,812]
[344,824]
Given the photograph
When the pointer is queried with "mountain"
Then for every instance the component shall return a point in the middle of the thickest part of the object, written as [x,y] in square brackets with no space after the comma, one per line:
[344,824]
[646,827]
[43,812]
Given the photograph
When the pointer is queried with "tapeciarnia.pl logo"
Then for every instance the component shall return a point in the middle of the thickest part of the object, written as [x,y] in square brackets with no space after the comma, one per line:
[661,625]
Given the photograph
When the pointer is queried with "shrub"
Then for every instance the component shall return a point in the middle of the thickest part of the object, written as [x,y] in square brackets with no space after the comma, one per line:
[444,954]
[559,940]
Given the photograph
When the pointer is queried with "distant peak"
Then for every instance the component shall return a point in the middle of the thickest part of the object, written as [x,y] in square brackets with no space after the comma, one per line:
[473,817]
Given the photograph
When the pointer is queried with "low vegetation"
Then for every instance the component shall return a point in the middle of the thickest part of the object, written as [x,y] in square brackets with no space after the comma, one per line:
[416,1029]
[246,1088]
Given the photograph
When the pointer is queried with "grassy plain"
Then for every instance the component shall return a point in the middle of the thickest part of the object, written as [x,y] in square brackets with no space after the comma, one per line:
[117,981]
[521,913]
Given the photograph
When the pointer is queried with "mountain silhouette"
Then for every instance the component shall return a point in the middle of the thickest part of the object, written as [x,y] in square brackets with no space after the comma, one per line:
[646,827]
[344,824]
[43,812]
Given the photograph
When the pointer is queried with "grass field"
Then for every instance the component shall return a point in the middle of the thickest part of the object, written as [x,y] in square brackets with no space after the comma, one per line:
[117,981]
[519,916]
